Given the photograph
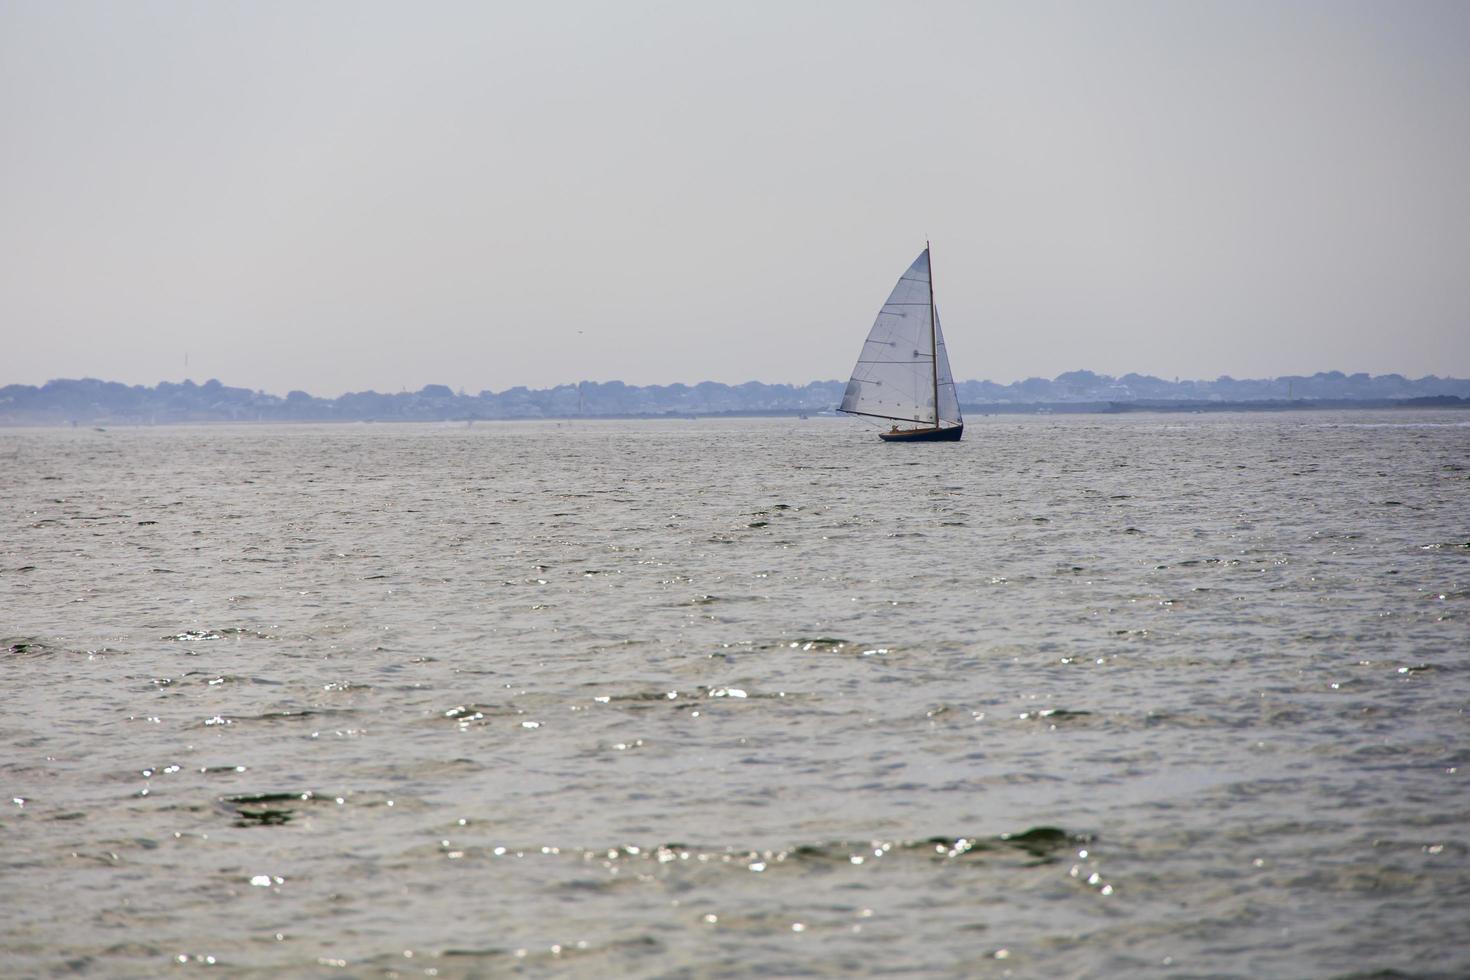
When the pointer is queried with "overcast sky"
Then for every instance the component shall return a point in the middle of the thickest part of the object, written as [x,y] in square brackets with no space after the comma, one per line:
[343,196]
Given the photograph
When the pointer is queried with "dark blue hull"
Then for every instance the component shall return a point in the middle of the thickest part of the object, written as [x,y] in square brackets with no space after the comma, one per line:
[951,434]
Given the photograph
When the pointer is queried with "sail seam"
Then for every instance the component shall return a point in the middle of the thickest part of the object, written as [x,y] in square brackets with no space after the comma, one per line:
[871,415]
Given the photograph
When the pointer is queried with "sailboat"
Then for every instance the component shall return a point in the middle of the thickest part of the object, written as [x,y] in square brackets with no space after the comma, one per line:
[903,373]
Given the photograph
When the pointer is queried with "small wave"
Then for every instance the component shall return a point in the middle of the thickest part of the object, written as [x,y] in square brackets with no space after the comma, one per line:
[211,679]
[236,632]
[812,643]
[1039,845]
[469,715]
[1056,716]
[27,646]
[275,809]
[266,809]
[683,697]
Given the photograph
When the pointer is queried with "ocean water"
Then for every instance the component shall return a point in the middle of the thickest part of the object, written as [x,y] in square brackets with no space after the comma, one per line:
[1171,695]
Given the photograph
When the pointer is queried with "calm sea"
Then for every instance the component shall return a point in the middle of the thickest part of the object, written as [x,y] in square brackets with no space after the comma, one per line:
[1171,695]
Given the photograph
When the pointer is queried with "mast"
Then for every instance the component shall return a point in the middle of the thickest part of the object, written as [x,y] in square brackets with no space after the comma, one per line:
[933,334]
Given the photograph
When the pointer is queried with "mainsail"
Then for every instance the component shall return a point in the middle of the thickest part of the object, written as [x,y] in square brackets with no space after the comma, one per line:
[896,375]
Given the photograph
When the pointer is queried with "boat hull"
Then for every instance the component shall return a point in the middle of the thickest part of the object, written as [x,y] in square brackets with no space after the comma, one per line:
[951,434]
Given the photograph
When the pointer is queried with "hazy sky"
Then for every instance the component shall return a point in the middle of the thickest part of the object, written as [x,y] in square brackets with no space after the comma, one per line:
[342,196]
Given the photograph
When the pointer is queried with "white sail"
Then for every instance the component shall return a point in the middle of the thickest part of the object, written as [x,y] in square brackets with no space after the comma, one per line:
[895,374]
[949,400]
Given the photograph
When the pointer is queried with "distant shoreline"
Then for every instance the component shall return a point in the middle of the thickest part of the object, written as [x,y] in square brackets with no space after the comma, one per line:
[1438,402]
[1195,406]
[89,401]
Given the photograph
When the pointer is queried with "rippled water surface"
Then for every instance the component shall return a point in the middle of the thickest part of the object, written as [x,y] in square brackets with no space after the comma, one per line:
[1170,695]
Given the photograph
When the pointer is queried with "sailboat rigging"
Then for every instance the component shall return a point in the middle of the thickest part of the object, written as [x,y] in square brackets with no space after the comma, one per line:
[903,373]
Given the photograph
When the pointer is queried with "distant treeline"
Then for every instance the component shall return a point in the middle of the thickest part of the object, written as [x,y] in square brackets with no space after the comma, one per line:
[90,400]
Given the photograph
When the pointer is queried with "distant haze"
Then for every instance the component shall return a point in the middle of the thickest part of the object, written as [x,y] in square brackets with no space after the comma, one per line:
[344,196]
